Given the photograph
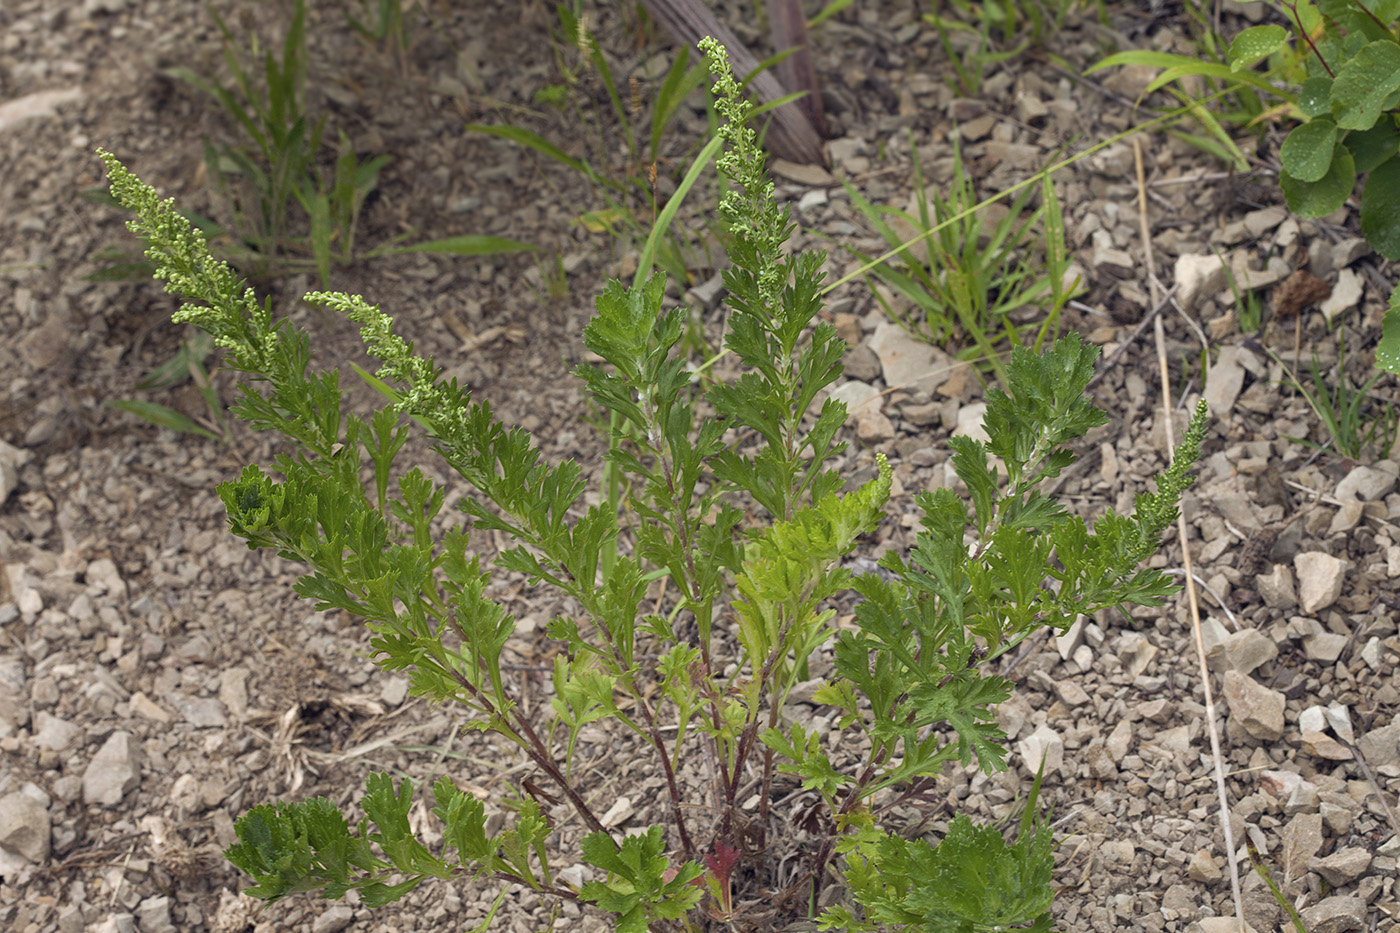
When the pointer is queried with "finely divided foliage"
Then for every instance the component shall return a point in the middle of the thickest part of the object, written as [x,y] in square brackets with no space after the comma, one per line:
[728,494]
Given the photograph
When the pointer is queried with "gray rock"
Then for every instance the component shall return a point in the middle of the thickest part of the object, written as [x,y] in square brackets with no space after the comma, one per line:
[1324,648]
[858,397]
[1225,378]
[1366,484]
[707,294]
[1343,866]
[1255,707]
[1276,588]
[923,415]
[1320,579]
[970,418]
[233,691]
[56,734]
[1197,276]
[1260,222]
[1202,868]
[1381,746]
[1304,799]
[1070,693]
[1136,653]
[872,427]
[200,712]
[1345,294]
[906,362]
[862,364]
[153,914]
[103,573]
[1302,839]
[24,826]
[114,771]
[1335,915]
[1247,649]
[11,459]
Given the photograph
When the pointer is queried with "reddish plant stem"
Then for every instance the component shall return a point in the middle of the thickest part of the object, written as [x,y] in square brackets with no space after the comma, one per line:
[1308,39]
[536,749]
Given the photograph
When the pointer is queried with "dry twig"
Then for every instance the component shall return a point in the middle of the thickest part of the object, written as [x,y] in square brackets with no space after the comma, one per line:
[1211,720]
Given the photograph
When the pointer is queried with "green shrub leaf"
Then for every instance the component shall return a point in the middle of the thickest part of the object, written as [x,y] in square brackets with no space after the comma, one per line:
[1322,197]
[1315,97]
[1380,209]
[1307,152]
[1388,350]
[1363,84]
[1370,148]
[1255,43]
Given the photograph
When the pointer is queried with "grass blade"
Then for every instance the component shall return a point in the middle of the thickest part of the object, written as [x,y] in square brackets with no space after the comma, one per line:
[162,417]
[465,245]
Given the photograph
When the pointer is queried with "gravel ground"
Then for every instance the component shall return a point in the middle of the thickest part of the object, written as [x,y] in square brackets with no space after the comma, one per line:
[157,679]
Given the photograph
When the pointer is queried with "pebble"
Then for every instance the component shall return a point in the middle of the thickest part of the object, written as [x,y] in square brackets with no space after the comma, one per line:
[103,574]
[143,706]
[906,362]
[200,712]
[1324,647]
[1255,707]
[392,695]
[1302,839]
[332,919]
[1335,915]
[1343,866]
[233,691]
[970,418]
[153,914]
[24,827]
[1276,587]
[1070,693]
[1197,276]
[1321,745]
[1248,649]
[1304,799]
[862,364]
[11,459]
[872,427]
[1365,484]
[1136,653]
[114,771]
[1381,747]
[1225,378]
[1042,745]
[858,396]
[1202,868]
[1320,579]
[618,813]
[56,734]
[1345,295]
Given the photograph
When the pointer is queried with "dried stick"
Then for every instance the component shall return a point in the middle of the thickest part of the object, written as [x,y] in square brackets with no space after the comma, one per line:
[792,135]
[1211,721]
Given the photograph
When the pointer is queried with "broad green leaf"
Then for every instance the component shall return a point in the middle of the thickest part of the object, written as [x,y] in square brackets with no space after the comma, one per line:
[1380,209]
[1255,43]
[1363,84]
[1370,148]
[1315,96]
[162,417]
[1321,197]
[1388,350]
[1307,152]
